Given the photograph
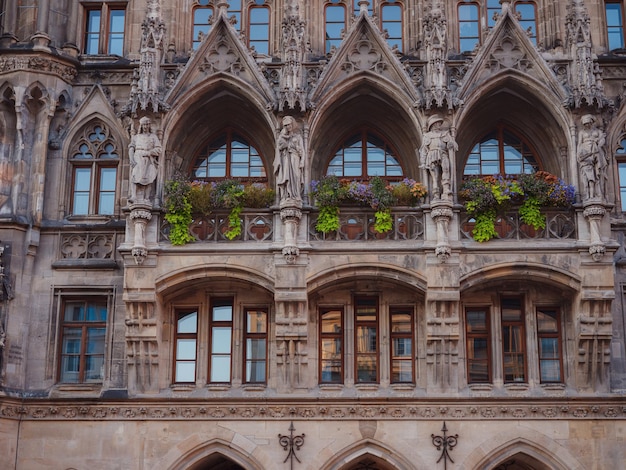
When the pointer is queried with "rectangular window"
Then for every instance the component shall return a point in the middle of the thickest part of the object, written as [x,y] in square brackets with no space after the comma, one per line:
[331,346]
[478,345]
[549,336]
[366,339]
[185,354]
[104,30]
[402,345]
[82,190]
[528,18]
[513,340]
[220,338]
[391,17]
[255,343]
[83,334]
[259,36]
[92,32]
[234,9]
[614,25]
[201,24]
[335,23]
[94,197]
[469,27]
[115,33]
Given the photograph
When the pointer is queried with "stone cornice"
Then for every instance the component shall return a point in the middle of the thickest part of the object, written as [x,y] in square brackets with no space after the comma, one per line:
[39,63]
[255,409]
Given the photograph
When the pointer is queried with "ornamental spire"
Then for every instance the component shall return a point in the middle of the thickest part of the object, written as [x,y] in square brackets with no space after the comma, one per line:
[292,92]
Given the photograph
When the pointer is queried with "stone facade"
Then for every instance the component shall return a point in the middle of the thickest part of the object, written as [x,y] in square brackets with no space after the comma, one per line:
[418,347]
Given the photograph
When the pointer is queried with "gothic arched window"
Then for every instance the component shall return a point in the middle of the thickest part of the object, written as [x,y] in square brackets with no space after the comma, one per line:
[501,152]
[94,158]
[229,155]
[391,21]
[365,154]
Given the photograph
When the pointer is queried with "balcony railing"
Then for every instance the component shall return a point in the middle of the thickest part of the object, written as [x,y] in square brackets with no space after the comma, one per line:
[560,225]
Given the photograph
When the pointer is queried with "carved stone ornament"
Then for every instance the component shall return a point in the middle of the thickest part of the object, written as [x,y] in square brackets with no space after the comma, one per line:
[38,64]
[364,57]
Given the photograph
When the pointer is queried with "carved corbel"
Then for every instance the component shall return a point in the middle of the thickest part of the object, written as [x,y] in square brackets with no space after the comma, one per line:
[442,215]
[291,216]
[594,214]
[140,215]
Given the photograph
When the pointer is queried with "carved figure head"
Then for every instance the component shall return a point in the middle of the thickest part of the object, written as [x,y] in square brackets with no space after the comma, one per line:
[434,119]
[587,119]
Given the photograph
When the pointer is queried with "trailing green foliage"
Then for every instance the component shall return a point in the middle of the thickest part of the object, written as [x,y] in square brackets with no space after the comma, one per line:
[383,221]
[530,213]
[178,210]
[328,219]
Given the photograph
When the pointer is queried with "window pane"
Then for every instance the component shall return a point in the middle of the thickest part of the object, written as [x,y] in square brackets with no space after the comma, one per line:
[547,321]
[116,32]
[366,369]
[185,371]
[259,29]
[221,340]
[335,23]
[74,312]
[401,347]
[255,372]
[201,19]
[257,322]
[186,349]
[108,178]
[220,369]
[392,22]
[94,368]
[401,371]
[82,186]
[92,32]
[622,184]
[222,313]
[550,371]
[401,322]
[187,323]
[615,27]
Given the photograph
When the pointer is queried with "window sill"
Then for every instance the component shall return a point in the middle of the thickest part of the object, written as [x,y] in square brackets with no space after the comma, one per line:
[402,386]
[89,219]
[61,390]
[254,387]
[516,387]
[85,264]
[367,387]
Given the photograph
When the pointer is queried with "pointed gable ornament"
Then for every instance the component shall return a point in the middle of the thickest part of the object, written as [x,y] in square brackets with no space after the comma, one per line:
[146,85]
[292,92]
[436,91]
[585,76]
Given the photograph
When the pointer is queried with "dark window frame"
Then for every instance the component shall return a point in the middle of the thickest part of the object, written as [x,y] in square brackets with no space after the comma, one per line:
[330,41]
[401,310]
[558,335]
[83,325]
[220,302]
[178,312]
[104,35]
[366,302]
[247,335]
[252,26]
[398,40]
[512,325]
[619,29]
[485,335]
[335,336]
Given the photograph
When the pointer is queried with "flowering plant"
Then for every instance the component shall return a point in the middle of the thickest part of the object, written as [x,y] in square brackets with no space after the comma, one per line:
[202,197]
[486,197]
[329,192]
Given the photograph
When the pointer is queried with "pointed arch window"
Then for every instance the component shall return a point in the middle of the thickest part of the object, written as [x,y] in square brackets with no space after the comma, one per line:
[229,155]
[364,155]
[334,24]
[501,152]
[202,14]
[94,160]
[391,21]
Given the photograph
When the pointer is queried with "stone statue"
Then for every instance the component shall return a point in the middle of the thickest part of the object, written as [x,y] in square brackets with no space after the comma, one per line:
[289,161]
[144,151]
[436,152]
[591,158]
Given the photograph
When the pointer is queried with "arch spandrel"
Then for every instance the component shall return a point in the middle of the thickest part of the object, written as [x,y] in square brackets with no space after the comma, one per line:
[192,454]
[363,451]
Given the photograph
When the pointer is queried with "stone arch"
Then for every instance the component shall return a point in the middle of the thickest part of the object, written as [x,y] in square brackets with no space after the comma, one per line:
[171,282]
[531,109]
[332,276]
[381,455]
[206,455]
[557,277]
[361,100]
[527,447]
[220,102]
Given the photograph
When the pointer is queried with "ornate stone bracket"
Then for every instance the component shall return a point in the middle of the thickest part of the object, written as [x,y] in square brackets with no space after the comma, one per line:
[594,214]
[291,214]
[442,215]
[140,215]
